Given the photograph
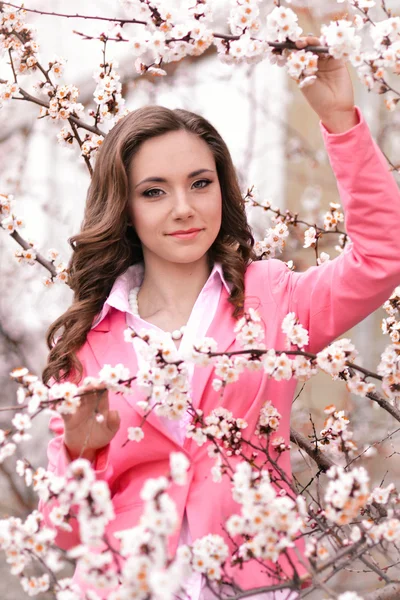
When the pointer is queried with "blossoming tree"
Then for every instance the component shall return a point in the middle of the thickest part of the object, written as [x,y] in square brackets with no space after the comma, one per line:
[346,520]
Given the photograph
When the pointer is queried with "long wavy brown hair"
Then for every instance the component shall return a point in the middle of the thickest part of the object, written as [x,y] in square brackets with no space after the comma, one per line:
[106,246]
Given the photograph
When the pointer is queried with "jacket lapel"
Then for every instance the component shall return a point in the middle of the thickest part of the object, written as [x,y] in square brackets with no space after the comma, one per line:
[109,347]
[222,331]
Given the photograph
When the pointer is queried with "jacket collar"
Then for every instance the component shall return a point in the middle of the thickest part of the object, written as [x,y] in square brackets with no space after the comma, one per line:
[133,277]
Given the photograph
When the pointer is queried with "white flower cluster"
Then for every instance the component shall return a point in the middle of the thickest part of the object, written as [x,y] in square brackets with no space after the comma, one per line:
[388,531]
[8,220]
[107,94]
[65,137]
[244,17]
[113,377]
[229,369]
[21,422]
[279,366]
[79,486]
[389,368]
[381,495]
[346,494]
[333,217]
[336,435]
[246,50]
[168,43]
[310,238]
[268,421]
[386,33]
[68,392]
[7,448]
[250,331]
[391,325]
[22,542]
[144,547]
[271,521]
[147,565]
[252,197]
[62,102]
[165,40]
[371,64]
[53,256]
[221,426]
[11,223]
[11,20]
[282,24]
[344,243]
[23,469]
[199,352]
[32,391]
[179,465]
[91,144]
[302,66]
[209,554]
[97,569]
[296,334]
[273,242]
[17,36]
[135,434]
[356,384]
[323,258]
[342,40]
[333,358]
[165,384]
[6,91]
[200,11]
[57,65]
[316,549]
[26,542]
[26,257]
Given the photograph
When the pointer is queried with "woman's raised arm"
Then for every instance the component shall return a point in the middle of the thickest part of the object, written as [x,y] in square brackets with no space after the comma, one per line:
[331,298]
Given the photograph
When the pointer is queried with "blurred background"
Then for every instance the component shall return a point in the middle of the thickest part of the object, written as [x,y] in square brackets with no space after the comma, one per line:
[276,145]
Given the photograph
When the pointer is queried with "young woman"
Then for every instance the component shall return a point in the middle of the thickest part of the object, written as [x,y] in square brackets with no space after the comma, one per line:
[165,245]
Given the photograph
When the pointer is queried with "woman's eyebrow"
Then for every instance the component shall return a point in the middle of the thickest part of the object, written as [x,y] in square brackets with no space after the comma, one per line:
[163,180]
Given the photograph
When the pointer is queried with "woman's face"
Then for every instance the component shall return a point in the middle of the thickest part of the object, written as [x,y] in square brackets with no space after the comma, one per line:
[181,194]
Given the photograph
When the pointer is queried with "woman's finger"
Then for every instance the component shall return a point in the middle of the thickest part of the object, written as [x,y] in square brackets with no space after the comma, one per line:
[113,420]
[308,40]
[97,402]
[92,402]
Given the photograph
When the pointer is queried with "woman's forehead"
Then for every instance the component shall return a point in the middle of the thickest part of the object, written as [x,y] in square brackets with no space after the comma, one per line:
[177,152]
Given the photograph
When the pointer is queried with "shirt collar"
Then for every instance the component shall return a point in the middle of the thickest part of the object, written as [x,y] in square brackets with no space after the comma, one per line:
[133,277]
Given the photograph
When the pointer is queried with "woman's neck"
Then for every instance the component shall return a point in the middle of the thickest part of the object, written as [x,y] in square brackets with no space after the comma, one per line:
[171,289]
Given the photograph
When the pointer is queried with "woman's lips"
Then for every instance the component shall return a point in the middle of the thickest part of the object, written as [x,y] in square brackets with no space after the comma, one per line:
[186,236]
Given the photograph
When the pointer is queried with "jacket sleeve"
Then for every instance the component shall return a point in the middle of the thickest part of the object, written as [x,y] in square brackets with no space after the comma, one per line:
[58,461]
[331,298]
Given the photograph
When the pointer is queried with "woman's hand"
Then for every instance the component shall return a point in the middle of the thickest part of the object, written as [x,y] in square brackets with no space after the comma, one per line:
[83,434]
[332,94]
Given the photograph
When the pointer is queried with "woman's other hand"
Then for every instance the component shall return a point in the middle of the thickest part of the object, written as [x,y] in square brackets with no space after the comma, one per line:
[83,433]
[332,94]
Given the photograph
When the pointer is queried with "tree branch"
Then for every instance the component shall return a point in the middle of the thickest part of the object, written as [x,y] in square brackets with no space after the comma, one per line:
[322,461]
[389,592]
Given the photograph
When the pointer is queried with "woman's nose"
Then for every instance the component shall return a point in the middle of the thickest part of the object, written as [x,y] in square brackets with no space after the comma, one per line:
[182,207]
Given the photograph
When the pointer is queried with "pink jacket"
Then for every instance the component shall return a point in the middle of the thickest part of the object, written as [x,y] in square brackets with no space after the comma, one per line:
[328,299]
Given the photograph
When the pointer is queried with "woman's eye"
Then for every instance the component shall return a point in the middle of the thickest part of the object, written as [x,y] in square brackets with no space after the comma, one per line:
[206,181]
[148,193]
